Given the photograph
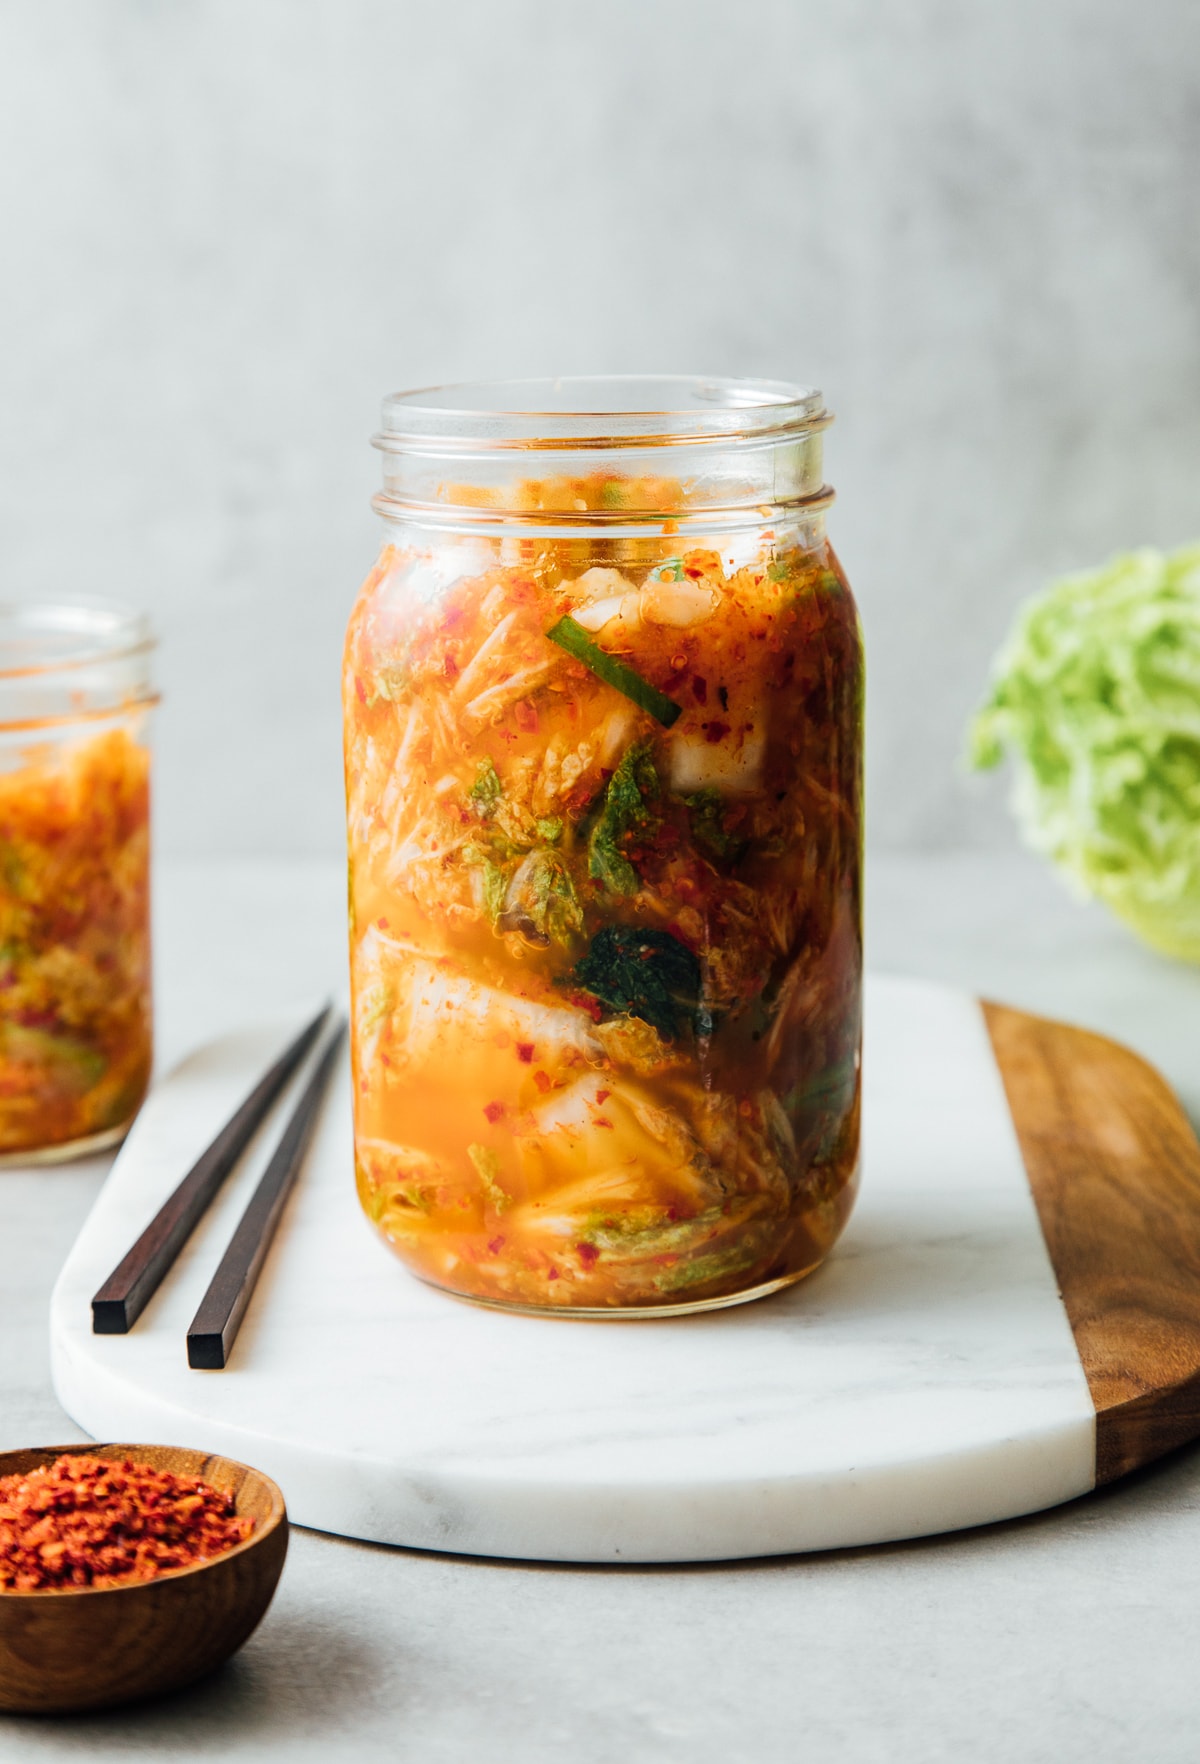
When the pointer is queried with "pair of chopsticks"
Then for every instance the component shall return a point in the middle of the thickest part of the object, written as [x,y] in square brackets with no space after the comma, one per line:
[120,1301]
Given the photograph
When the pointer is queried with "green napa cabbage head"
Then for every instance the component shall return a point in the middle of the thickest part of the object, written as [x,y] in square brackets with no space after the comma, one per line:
[1096,696]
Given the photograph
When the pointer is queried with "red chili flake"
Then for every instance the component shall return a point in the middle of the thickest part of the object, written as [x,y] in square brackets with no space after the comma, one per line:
[86,1521]
[450,668]
[585,1002]
[525,1052]
[602,1121]
[526,715]
[360,690]
[715,732]
[589,1255]
[603,1095]
[495,1245]
[553,1274]
[493,1111]
[699,688]
[382,923]
[693,572]
[542,1080]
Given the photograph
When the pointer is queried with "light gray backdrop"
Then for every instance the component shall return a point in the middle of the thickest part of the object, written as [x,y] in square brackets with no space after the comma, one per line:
[230,225]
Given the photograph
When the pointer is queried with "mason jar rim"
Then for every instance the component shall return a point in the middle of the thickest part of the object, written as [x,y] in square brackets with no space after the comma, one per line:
[39,637]
[597,411]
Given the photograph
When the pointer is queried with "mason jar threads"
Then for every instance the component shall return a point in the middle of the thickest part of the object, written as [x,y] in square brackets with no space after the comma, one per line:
[603,696]
[75,1004]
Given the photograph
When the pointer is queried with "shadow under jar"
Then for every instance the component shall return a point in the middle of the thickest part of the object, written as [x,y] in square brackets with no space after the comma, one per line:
[75,1004]
[603,698]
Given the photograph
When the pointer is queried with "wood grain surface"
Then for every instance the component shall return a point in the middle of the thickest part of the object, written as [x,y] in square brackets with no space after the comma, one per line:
[85,1649]
[1114,1167]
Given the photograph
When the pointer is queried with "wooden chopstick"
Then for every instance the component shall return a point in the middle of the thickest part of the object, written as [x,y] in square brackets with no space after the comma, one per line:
[133,1282]
[214,1327]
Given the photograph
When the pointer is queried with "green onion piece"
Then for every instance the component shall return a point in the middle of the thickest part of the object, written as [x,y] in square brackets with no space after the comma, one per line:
[575,640]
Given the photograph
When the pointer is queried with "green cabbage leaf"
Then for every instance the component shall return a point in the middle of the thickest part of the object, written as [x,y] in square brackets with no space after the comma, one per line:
[1096,697]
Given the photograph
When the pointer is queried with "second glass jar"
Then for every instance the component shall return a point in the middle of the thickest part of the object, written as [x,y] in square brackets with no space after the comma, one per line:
[603,724]
[76,697]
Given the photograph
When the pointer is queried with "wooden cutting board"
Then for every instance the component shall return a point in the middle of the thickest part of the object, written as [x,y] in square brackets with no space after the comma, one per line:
[1012,1317]
[1114,1168]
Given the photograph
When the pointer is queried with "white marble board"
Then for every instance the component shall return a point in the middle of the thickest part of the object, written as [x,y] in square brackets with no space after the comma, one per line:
[924,1380]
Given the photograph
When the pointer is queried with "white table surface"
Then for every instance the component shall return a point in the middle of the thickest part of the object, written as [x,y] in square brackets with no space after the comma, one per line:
[1067,1636]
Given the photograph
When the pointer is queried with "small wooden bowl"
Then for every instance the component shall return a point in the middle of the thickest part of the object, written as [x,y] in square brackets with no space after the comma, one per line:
[89,1648]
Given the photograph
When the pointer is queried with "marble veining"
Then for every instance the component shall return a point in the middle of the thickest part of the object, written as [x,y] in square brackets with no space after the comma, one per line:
[925,1379]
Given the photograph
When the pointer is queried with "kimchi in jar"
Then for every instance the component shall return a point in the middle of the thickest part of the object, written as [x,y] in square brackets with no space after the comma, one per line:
[603,700]
[75,1012]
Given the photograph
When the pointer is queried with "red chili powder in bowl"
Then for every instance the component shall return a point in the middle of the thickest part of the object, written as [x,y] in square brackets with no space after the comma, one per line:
[85,1521]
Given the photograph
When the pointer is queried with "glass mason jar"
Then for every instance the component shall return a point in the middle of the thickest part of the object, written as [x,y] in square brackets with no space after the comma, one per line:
[75,1008]
[603,698]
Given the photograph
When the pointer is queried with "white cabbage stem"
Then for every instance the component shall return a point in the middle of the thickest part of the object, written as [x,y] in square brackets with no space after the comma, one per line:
[677,603]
